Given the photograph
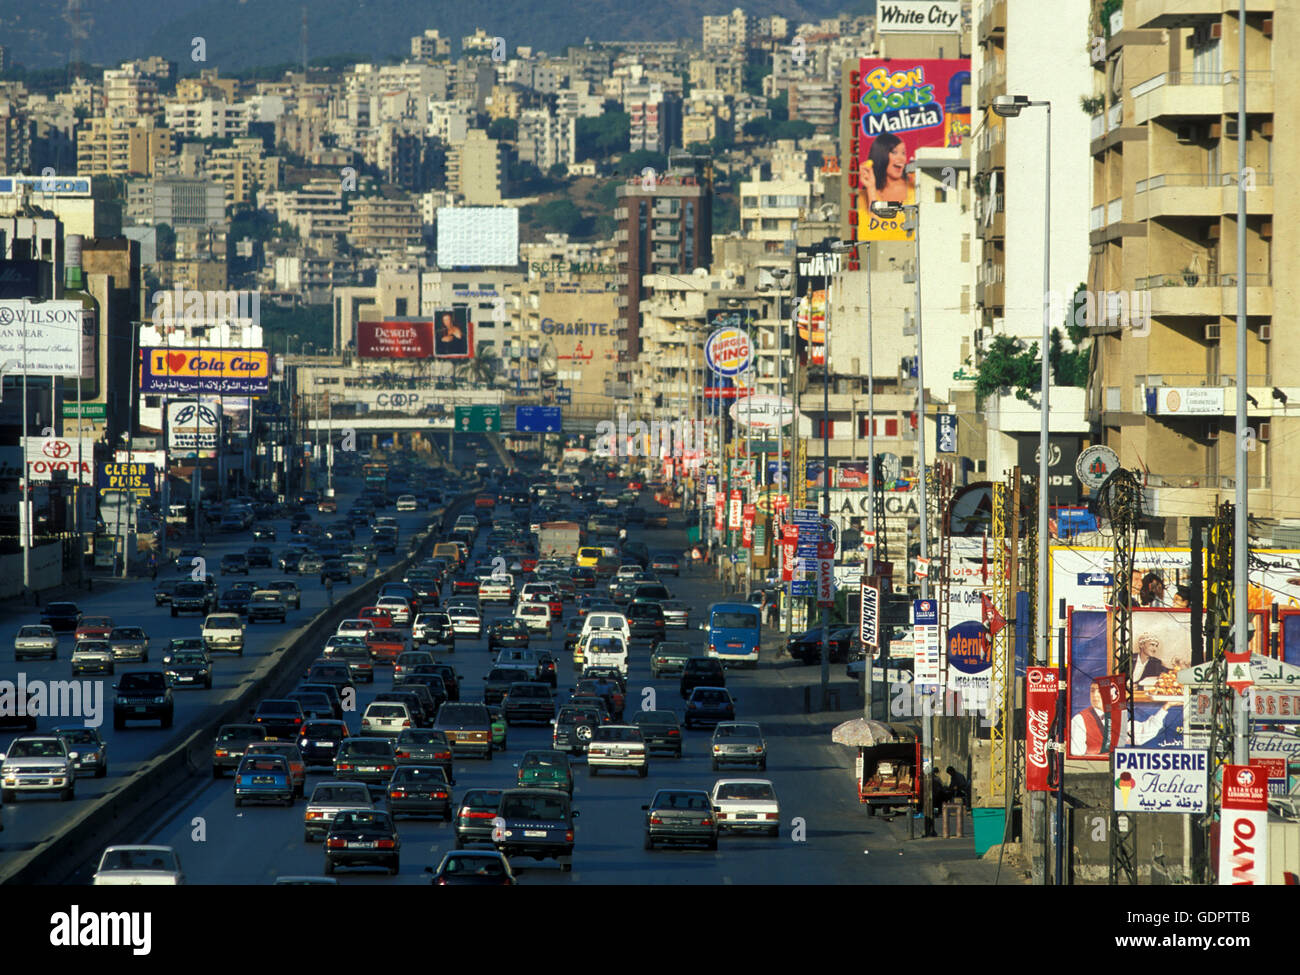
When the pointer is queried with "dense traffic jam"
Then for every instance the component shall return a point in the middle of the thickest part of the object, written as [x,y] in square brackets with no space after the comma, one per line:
[538,577]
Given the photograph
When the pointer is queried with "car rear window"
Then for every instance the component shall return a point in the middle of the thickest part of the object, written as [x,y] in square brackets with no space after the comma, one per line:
[534,807]
[357,747]
[746,790]
[319,729]
[341,793]
[463,714]
[386,711]
[482,797]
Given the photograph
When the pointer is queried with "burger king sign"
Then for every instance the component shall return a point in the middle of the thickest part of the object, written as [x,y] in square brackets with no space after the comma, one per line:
[728,351]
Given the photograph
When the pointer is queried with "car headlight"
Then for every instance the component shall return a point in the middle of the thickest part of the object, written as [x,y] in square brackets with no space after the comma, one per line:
[160,700]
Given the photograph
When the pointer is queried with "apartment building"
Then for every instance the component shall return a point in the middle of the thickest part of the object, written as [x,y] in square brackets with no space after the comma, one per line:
[378,224]
[726,33]
[315,210]
[546,140]
[243,169]
[17,133]
[113,147]
[656,117]
[446,121]
[724,74]
[430,45]
[476,169]
[128,94]
[207,119]
[1164,253]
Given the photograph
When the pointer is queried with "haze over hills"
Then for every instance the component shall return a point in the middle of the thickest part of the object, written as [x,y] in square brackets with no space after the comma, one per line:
[241,34]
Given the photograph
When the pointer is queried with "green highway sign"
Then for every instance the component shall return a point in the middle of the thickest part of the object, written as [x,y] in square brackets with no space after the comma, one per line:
[480,418]
[89,411]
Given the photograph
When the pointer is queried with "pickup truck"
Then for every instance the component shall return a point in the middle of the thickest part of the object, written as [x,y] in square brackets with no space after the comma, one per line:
[223,631]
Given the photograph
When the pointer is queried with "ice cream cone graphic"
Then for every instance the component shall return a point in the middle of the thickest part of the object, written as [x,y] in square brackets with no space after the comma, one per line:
[1125,784]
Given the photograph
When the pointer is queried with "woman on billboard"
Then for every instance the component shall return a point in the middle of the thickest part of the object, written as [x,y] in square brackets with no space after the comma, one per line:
[886,177]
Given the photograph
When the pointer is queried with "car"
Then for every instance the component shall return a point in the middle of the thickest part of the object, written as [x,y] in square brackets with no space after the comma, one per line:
[420,790]
[528,701]
[709,705]
[363,838]
[328,673]
[398,609]
[535,616]
[235,600]
[498,680]
[291,560]
[329,799]
[266,604]
[669,657]
[666,562]
[162,594]
[806,647]
[288,750]
[281,717]
[369,760]
[433,629]
[93,628]
[466,622]
[223,631]
[407,502]
[424,746]
[319,740]
[474,868]
[191,597]
[386,719]
[188,668]
[746,804]
[230,744]
[129,643]
[411,658]
[61,616]
[474,816]
[360,628]
[36,640]
[38,763]
[677,614]
[545,768]
[138,866]
[660,730]
[90,748]
[335,570]
[680,816]
[603,648]
[537,823]
[143,695]
[573,728]
[92,656]
[234,563]
[327,506]
[646,621]
[617,746]
[738,743]
[185,561]
[310,564]
[259,556]
[701,672]
[264,533]
[385,645]
[468,727]
[355,652]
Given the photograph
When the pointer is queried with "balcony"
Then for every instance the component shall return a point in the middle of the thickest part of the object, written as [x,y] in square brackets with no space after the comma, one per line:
[990,217]
[1149,14]
[994,21]
[1198,195]
[1188,93]
[1205,295]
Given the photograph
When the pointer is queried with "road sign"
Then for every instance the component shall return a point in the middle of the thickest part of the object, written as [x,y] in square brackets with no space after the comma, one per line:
[537,419]
[478,418]
[803,587]
[89,411]
[804,515]
[564,396]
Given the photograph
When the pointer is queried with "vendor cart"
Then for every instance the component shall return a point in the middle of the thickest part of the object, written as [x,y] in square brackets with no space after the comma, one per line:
[889,770]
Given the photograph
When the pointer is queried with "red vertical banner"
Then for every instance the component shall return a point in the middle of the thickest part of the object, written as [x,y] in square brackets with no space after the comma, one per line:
[735,511]
[719,512]
[787,559]
[1040,715]
[1243,826]
[747,526]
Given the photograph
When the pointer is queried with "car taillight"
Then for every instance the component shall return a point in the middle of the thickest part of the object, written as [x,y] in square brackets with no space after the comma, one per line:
[712,648]
[442,755]
[385,768]
[239,780]
[674,733]
[472,814]
[717,748]
[221,753]
[365,722]
[706,821]
[655,821]
[440,795]
[568,836]
[344,767]
[406,723]
[403,754]
[770,816]
[336,842]
[397,794]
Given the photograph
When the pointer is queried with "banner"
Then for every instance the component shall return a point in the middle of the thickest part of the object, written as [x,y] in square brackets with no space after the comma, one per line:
[826,582]
[787,559]
[237,372]
[1040,715]
[747,526]
[735,510]
[1243,827]
[453,337]
[395,340]
[719,512]
[1162,780]
[900,106]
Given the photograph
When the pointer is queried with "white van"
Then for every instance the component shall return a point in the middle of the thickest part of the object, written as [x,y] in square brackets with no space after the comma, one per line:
[607,621]
[536,616]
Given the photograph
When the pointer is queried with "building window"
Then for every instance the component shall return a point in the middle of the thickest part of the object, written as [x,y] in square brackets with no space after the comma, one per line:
[400,308]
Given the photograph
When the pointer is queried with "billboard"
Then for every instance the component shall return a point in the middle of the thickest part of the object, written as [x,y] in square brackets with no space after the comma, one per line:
[395,339]
[478,236]
[237,372]
[918,16]
[137,478]
[900,105]
[47,456]
[43,335]
[453,334]
[193,426]
[1062,451]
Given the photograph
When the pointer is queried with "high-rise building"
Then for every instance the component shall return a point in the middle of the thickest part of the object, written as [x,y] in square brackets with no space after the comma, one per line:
[180,202]
[656,117]
[665,226]
[379,224]
[112,147]
[429,45]
[476,169]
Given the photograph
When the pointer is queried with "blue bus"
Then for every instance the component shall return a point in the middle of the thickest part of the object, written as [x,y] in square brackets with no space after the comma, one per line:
[734,632]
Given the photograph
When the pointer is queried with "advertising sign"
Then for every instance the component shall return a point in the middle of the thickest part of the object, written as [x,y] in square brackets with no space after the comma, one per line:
[735,512]
[236,372]
[43,337]
[1243,828]
[869,624]
[727,351]
[1163,780]
[395,340]
[763,412]
[719,512]
[710,490]
[947,439]
[918,16]
[192,426]
[928,665]
[136,478]
[89,411]
[925,612]
[454,334]
[1063,488]
[900,106]
[970,657]
[1041,691]
[1094,465]
[826,582]
[787,559]
[747,526]
[47,456]
[1185,401]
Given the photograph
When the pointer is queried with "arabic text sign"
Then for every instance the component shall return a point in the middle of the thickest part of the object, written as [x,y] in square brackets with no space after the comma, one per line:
[42,336]
[234,372]
[1167,780]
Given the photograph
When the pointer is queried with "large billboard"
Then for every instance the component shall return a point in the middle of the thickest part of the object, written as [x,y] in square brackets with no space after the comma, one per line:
[41,338]
[900,105]
[395,340]
[47,456]
[478,237]
[235,372]
[453,334]
[192,427]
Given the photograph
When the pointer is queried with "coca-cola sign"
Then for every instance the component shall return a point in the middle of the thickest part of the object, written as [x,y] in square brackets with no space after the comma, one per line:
[1040,715]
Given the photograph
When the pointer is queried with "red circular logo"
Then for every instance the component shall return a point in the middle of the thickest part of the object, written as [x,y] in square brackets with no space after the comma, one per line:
[57,449]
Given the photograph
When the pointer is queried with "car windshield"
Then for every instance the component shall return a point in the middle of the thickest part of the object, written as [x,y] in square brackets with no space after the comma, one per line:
[419,773]
[709,697]
[746,790]
[37,748]
[479,865]
[534,807]
[697,801]
[222,623]
[543,760]
[666,718]
[188,657]
[341,794]
[617,734]
[386,711]
[418,736]
[163,861]
[141,682]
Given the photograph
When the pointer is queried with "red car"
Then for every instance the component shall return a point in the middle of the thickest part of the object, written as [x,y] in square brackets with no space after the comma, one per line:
[94,628]
[327,506]
[634,485]
[386,645]
[485,501]
[376,615]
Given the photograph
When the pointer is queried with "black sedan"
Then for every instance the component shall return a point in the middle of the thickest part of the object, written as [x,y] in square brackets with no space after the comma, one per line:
[335,570]
[358,839]
[188,668]
[235,601]
[807,646]
[498,682]
[680,816]
[472,868]
[259,556]
[420,790]
[478,807]
[425,747]
[528,701]
[234,562]
[61,616]
[508,632]
[320,739]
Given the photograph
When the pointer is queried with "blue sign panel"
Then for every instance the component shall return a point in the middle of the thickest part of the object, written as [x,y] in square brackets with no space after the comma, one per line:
[537,419]
[803,587]
[947,423]
[925,612]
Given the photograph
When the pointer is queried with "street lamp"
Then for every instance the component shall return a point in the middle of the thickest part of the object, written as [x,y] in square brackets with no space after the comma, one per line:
[1010,106]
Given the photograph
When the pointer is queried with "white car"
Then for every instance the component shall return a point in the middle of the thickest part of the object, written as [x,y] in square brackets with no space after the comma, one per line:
[38,763]
[398,609]
[223,631]
[746,804]
[407,502]
[136,866]
[617,746]
[36,641]
[603,648]
[361,628]
[536,616]
[607,621]
[466,622]
[386,719]
[497,589]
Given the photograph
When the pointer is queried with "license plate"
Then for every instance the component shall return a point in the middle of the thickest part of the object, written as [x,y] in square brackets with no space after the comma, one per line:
[368,768]
[747,815]
[263,780]
[735,646]
[537,833]
[363,846]
[141,710]
[324,744]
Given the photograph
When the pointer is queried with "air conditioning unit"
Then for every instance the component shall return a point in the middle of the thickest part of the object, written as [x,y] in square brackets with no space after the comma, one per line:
[1212,430]
[1230,127]
[1266,333]
[1265,431]
[1211,333]
[1216,31]
[1187,133]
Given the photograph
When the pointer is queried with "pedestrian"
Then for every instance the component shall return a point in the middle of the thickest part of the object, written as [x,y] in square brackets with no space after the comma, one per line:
[774,612]
[153,565]
[958,786]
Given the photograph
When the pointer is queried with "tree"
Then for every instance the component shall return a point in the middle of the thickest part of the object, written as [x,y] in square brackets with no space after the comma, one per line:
[166,242]
[633,163]
[603,136]
[504,129]
[1005,364]
[483,368]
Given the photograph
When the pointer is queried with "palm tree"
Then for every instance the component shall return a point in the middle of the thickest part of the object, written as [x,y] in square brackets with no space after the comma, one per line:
[481,369]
